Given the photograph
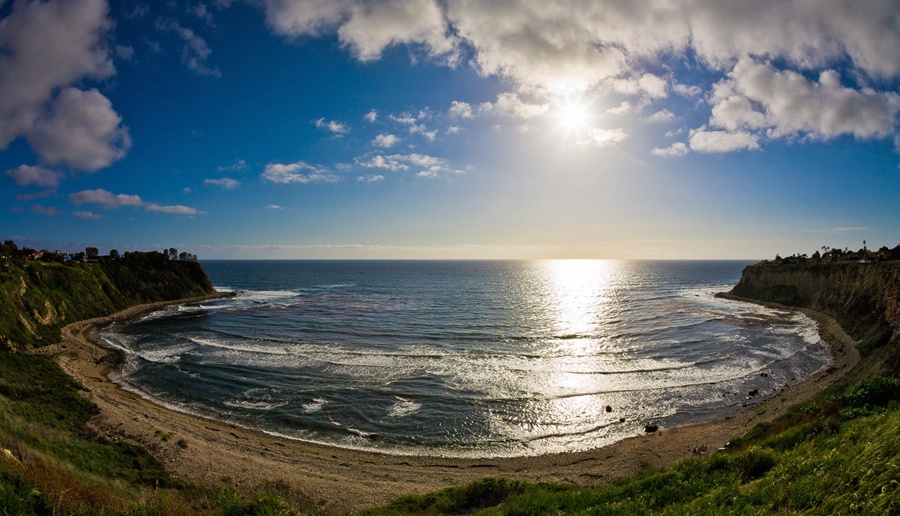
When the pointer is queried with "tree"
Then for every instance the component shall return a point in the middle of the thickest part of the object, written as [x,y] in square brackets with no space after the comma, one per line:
[91,252]
[173,253]
[114,254]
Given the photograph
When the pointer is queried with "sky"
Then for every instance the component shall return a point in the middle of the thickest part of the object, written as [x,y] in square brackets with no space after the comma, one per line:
[451,129]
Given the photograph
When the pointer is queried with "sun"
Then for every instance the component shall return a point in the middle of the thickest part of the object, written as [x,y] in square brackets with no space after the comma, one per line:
[574,115]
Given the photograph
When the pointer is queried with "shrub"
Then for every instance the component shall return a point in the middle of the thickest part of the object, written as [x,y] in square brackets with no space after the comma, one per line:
[876,391]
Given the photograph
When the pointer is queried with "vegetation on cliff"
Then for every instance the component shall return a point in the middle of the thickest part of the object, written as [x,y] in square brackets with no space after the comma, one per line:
[40,297]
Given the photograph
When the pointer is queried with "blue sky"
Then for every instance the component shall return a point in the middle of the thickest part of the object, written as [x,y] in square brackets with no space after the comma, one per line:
[450,128]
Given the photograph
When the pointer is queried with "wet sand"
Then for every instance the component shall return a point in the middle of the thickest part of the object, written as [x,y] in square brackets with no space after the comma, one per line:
[337,480]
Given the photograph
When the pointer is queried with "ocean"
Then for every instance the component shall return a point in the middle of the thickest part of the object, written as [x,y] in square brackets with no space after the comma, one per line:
[465,358]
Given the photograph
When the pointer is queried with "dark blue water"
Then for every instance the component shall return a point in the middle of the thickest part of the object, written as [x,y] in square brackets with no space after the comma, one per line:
[466,358]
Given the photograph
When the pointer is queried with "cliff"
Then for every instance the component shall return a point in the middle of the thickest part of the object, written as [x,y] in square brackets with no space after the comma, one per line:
[38,298]
[864,298]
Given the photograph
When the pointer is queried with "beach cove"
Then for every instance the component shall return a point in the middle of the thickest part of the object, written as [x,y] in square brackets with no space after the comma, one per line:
[339,480]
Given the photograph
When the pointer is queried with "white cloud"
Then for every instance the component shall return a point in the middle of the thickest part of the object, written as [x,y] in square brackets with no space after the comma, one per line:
[81,131]
[112,201]
[371,116]
[704,140]
[453,129]
[105,198]
[602,137]
[624,108]
[370,179]
[25,175]
[421,129]
[426,165]
[225,182]
[555,47]
[757,96]
[44,48]
[686,91]
[461,109]
[373,27]
[509,104]
[238,166]
[174,210]
[331,125]
[274,207]
[87,215]
[674,150]
[50,211]
[194,50]
[367,29]
[299,172]
[385,140]
[661,116]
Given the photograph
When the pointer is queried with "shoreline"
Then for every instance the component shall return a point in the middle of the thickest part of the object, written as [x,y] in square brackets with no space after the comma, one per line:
[338,480]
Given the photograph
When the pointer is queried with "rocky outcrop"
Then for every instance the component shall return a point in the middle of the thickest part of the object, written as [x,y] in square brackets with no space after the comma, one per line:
[864,298]
[38,298]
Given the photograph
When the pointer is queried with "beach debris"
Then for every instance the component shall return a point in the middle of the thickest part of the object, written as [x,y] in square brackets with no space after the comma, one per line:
[608,409]
[650,428]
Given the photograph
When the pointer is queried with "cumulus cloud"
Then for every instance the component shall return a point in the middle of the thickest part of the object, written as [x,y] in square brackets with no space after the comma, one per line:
[176,209]
[105,198]
[426,166]
[332,126]
[370,179]
[385,140]
[704,140]
[367,28]
[87,215]
[509,104]
[597,137]
[299,172]
[81,131]
[672,151]
[113,201]
[371,116]
[225,182]
[461,109]
[556,47]
[26,175]
[757,96]
[661,116]
[50,211]
[45,47]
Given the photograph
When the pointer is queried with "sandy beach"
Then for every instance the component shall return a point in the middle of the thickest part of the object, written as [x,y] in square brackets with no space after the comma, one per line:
[338,481]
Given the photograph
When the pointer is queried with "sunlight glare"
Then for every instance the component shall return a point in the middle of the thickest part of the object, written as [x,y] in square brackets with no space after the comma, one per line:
[574,115]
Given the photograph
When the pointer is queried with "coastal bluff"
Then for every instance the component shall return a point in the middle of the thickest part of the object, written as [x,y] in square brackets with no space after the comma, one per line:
[864,298]
[38,298]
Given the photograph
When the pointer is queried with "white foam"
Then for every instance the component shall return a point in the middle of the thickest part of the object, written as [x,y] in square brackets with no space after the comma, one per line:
[314,406]
[403,408]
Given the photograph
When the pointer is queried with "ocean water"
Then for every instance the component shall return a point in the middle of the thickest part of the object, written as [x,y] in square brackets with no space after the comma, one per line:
[465,358]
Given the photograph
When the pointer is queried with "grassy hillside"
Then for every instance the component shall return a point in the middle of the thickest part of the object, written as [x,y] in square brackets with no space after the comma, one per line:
[38,298]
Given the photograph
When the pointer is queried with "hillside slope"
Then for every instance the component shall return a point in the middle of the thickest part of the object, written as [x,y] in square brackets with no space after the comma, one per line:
[38,298]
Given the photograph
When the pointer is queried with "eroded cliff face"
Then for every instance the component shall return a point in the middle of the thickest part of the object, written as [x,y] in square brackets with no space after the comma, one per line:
[863,298]
[37,299]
